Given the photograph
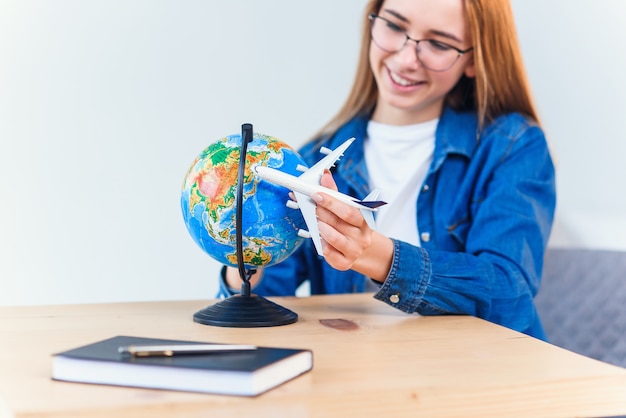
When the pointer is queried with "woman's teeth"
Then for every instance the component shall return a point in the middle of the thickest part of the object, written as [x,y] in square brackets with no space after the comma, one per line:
[400,80]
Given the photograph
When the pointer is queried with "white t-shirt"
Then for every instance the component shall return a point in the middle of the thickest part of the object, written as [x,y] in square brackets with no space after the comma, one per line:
[398,159]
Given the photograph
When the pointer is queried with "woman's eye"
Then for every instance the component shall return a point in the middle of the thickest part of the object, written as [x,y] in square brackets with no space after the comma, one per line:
[440,46]
[394,27]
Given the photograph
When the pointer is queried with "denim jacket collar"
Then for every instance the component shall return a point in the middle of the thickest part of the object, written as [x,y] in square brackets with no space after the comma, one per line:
[451,137]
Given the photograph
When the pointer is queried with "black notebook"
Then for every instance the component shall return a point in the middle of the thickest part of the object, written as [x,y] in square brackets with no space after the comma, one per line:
[244,373]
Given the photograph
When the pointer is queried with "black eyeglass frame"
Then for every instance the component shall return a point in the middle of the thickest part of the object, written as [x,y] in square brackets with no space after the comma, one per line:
[461,52]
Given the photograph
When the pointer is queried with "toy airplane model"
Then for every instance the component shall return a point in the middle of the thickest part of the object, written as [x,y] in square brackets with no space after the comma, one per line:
[308,182]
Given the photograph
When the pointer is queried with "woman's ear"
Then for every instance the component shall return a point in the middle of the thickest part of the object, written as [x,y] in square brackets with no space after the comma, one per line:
[470,70]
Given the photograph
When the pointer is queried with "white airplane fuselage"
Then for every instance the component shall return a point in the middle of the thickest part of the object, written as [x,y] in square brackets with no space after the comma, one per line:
[295,184]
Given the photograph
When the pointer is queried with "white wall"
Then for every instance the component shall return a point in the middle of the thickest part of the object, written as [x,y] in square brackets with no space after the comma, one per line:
[105,103]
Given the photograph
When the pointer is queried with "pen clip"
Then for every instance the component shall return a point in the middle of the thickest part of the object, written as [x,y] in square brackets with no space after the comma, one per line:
[170,350]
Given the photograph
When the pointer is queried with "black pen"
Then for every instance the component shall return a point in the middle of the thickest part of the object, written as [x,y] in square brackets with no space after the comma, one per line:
[181,349]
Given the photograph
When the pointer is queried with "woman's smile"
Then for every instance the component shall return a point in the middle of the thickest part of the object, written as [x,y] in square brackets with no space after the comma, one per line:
[401,80]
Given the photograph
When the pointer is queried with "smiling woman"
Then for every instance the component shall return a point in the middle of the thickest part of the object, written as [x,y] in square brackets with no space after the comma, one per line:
[410,89]
[455,146]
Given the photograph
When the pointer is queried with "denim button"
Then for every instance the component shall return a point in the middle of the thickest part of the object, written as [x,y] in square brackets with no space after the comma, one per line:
[425,188]
[425,236]
[394,298]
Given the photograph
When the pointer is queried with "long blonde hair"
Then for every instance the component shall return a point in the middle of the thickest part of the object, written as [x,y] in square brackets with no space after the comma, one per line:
[500,85]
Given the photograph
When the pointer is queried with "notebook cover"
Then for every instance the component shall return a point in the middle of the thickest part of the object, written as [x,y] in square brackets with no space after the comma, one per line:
[244,361]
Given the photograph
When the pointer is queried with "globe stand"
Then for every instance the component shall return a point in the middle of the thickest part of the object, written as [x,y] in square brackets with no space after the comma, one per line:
[245,310]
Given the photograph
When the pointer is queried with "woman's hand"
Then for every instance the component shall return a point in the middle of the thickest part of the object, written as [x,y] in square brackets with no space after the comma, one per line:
[347,241]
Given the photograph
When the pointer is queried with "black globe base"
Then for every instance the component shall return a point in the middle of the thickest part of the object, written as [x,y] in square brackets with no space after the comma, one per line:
[245,311]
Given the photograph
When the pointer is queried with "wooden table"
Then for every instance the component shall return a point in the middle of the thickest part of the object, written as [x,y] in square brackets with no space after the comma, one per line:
[369,360]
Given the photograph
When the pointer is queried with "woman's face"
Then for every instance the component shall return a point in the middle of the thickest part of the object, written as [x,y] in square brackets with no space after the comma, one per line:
[407,92]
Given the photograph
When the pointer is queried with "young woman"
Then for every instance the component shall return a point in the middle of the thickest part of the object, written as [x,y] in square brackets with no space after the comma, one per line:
[445,127]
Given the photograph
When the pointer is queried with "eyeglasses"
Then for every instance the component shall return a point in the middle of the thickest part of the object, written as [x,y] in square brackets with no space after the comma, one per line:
[433,55]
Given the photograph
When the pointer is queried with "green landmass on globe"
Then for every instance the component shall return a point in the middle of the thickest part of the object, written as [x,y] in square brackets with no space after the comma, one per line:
[208,202]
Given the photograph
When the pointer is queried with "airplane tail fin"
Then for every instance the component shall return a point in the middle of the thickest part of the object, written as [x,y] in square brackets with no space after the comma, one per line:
[371,202]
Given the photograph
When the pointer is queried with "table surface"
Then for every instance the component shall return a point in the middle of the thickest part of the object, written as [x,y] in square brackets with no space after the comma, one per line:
[369,360]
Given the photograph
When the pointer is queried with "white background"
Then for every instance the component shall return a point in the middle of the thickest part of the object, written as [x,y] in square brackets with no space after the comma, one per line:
[104,104]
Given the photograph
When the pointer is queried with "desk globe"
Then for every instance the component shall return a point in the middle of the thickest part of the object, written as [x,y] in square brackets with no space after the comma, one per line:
[269,229]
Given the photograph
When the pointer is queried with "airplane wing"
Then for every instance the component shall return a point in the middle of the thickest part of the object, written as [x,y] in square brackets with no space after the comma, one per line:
[314,174]
[307,208]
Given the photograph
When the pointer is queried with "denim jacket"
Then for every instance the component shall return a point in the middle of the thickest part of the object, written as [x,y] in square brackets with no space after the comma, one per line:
[484,214]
